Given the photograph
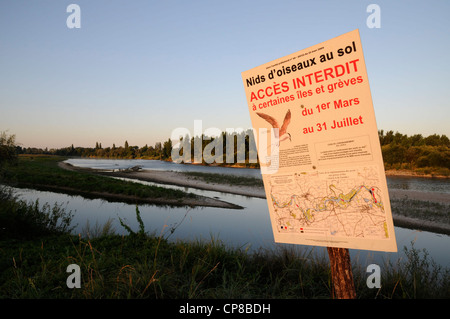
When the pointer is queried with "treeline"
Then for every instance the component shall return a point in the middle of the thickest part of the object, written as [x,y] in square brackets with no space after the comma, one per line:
[426,155]
[231,144]
[159,151]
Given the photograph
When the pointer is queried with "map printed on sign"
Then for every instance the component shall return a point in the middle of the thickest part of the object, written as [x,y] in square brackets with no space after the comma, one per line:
[319,149]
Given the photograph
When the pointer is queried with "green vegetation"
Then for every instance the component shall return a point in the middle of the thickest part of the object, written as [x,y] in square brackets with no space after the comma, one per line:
[20,220]
[142,265]
[129,152]
[162,151]
[8,154]
[423,155]
[43,172]
[7,148]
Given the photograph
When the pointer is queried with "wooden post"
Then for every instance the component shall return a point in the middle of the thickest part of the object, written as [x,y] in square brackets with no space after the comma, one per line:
[341,273]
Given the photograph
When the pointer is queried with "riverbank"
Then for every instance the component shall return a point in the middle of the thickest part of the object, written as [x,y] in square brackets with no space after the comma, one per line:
[401,200]
[50,173]
[410,173]
[185,180]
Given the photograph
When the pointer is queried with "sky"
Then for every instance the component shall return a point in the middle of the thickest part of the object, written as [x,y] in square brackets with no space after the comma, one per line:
[136,70]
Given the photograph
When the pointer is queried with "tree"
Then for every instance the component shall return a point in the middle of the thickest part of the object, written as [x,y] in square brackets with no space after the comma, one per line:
[387,138]
[8,154]
[167,149]
[158,148]
[416,140]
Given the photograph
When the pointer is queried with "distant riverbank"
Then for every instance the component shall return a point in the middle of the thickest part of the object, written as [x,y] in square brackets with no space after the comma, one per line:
[182,179]
[430,173]
[410,173]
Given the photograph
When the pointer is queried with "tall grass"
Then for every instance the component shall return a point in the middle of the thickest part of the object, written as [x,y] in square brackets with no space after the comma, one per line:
[23,220]
[144,265]
[414,276]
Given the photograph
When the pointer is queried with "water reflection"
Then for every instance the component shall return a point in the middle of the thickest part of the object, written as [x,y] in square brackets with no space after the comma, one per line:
[394,182]
[111,164]
[248,228]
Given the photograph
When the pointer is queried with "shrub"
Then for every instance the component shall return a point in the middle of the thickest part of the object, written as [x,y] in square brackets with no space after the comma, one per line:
[22,220]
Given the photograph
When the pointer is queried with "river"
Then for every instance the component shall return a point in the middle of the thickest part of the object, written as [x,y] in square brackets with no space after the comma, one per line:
[247,228]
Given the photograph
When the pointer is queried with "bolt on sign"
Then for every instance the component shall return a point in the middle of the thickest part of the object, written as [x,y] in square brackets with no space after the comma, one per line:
[322,165]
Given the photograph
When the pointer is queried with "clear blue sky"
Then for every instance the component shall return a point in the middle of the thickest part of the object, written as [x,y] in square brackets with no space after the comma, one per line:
[136,70]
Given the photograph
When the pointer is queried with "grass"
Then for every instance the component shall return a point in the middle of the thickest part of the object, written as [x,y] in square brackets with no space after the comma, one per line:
[20,220]
[43,172]
[142,265]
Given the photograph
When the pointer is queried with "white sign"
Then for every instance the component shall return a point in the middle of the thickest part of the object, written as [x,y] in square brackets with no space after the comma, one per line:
[326,185]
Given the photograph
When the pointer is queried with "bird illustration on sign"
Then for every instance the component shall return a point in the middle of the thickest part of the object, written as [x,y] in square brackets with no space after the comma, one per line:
[280,132]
